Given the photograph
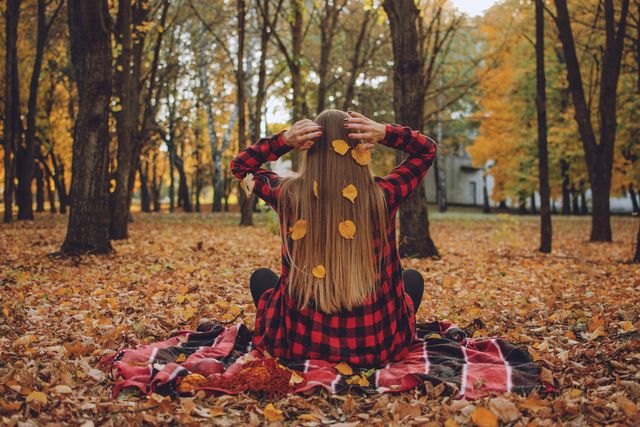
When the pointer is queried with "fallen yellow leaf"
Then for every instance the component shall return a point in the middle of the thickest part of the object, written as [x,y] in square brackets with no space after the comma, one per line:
[298,230]
[340,146]
[272,414]
[482,417]
[360,380]
[315,189]
[37,396]
[318,271]
[347,229]
[350,192]
[295,378]
[344,368]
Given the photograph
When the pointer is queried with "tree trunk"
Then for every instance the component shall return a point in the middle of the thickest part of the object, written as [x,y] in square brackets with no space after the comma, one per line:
[408,103]
[583,201]
[522,204]
[486,207]
[127,89]
[575,205]
[155,185]
[566,187]
[328,23]
[356,61]
[51,194]
[441,189]
[220,192]
[25,157]
[61,186]
[636,257]
[39,175]
[145,197]
[598,156]
[634,201]
[89,33]
[246,202]
[543,154]
[12,131]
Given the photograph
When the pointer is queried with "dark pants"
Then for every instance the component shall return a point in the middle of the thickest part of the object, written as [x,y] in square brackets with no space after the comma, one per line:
[263,279]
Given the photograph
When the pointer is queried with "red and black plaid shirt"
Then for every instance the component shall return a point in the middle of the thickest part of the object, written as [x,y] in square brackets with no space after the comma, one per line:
[373,334]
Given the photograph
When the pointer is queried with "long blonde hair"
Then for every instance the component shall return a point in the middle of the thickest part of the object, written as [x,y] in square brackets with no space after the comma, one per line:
[351,270]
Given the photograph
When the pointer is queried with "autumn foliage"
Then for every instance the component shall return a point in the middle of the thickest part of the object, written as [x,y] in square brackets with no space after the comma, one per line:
[576,311]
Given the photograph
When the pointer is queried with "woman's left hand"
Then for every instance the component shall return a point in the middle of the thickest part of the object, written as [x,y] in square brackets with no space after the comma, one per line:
[370,132]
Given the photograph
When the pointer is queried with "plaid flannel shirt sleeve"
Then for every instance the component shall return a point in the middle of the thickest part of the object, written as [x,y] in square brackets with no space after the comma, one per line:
[250,159]
[408,175]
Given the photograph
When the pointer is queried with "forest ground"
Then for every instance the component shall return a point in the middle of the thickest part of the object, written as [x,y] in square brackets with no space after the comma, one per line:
[577,311]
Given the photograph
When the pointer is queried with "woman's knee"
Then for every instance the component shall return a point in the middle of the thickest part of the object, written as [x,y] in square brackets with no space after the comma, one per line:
[261,280]
[412,276]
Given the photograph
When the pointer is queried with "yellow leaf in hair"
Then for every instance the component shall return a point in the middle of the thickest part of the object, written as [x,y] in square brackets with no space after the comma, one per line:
[298,230]
[350,192]
[340,146]
[347,229]
[361,155]
[315,189]
[319,271]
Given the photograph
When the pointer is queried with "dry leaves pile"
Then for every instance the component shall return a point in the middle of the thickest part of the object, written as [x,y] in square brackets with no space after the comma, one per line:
[577,311]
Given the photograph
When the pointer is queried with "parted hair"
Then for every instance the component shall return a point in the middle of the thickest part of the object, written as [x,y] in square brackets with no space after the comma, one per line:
[351,268]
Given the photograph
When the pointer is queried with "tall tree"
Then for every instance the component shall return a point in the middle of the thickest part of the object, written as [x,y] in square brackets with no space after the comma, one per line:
[598,151]
[408,102]
[246,201]
[543,155]
[127,87]
[25,158]
[12,122]
[328,27]
[90,39]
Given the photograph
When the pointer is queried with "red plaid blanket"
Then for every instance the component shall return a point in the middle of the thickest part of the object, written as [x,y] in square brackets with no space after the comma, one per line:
[218,358]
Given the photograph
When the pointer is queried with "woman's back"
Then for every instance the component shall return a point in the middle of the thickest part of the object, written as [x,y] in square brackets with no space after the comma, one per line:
[340,295]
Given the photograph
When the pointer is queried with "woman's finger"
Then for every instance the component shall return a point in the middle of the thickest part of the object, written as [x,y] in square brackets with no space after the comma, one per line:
[365,135]
[356,120]
[299,134]
[354,114]
[358,126]
[309,136]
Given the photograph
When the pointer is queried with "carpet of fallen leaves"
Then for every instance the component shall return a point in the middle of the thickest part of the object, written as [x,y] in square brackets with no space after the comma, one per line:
[577,311]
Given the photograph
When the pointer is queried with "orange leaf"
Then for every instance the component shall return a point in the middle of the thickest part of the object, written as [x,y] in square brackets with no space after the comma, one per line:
[37,396]
[344,368]
[350,192]
[361,155]
[298,230]
[318,271]
[360,380]
[315,189]
[347,229]
[295,378]
[191,382]
[482,417]
[340,146]
[272,414]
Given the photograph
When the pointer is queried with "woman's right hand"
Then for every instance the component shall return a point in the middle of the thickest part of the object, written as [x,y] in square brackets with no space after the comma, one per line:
[364,129]
[303,134]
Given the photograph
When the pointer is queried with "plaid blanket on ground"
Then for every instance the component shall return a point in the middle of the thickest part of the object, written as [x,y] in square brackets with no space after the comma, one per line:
[218,358]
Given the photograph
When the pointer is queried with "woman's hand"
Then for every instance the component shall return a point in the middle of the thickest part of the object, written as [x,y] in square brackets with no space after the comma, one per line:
[302,134]
[364,129]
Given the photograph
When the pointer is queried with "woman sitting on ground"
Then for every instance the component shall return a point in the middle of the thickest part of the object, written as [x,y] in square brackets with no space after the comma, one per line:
[341,295]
